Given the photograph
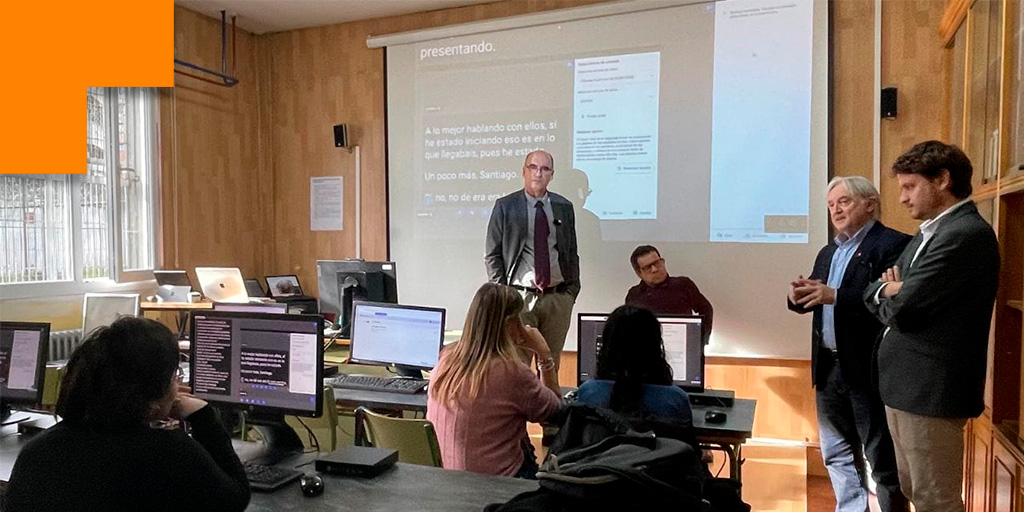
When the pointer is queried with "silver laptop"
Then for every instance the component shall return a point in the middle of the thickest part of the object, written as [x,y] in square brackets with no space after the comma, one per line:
[222,284]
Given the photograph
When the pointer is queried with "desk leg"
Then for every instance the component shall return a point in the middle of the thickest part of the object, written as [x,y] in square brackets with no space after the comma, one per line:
[735,454]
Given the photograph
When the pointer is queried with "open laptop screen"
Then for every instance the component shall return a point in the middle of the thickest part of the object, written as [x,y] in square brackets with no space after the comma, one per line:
[684,348]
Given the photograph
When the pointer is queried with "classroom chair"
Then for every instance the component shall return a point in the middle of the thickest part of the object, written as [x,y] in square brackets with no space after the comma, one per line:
[414,439]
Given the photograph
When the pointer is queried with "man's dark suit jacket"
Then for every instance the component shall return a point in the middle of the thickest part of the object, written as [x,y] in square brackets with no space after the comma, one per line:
[932,362]
[507,232]
[855,327]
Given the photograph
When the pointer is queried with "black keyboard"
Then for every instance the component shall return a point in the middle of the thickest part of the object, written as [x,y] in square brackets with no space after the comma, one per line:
[369,383]
[269,478]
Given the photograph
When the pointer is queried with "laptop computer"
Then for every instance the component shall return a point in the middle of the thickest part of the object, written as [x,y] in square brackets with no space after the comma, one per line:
[222,284]
[172,285]
[285,287]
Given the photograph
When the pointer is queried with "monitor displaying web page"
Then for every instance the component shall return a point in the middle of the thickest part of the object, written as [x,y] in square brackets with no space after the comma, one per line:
[265,363]
[22,361]
[681,334]
[392,334]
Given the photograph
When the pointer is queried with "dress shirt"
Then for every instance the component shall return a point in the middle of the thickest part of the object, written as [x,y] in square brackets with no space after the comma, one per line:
[928,229]
[846,247]
[524,270]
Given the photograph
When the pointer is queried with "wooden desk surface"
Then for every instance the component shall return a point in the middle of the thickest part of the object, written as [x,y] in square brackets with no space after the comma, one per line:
[175,306]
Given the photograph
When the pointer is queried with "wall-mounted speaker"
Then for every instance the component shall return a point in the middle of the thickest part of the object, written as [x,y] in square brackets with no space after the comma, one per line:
[889,103]
[340,136]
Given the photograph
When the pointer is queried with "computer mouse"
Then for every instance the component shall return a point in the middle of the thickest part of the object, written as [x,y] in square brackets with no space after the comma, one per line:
[714,417]
[312,485]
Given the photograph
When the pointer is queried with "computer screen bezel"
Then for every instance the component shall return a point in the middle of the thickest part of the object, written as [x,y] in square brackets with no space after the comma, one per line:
[685,385]
[352,340]
[270,289]
[41,360]
[262,409]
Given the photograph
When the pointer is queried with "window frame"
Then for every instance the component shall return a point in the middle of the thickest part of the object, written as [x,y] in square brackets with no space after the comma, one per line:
[119,280]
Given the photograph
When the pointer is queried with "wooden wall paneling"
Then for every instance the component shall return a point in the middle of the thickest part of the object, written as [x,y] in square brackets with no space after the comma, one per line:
[782,388]
[914,60]
[214,192]
[853,85]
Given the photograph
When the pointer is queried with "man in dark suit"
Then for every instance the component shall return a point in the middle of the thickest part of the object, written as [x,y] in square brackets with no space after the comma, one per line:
[936,303]
[531,245]
[855,442]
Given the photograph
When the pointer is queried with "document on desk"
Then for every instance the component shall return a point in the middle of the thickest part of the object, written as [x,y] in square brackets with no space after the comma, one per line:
[326,203]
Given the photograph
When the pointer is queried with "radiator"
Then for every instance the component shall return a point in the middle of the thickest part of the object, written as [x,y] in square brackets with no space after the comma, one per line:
[63,343]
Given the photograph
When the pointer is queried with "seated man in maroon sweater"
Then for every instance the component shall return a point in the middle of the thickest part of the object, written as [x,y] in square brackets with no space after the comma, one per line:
[665,295]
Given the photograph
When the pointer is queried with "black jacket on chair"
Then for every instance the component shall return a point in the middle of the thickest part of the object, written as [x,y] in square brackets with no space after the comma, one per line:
[856,327]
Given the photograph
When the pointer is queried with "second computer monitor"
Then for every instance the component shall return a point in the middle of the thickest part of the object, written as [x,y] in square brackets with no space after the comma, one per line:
[404,336]
[681,334]
[265,364]
[22,362]
[340,282]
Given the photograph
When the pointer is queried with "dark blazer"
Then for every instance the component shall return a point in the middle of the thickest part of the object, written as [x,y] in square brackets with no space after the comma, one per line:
[932,362]
[856,328]
[507,232]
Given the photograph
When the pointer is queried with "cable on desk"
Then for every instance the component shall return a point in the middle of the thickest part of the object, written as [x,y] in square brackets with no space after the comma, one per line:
[312,437]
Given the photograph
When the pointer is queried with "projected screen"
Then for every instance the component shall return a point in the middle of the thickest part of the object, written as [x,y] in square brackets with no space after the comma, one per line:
[698,128]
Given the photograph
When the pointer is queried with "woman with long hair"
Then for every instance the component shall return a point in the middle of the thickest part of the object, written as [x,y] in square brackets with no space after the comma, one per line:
[119,445]
[482,394]
[633,377]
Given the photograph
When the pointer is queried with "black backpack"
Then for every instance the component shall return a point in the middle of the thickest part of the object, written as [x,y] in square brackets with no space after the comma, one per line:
[597,462]
[597,456]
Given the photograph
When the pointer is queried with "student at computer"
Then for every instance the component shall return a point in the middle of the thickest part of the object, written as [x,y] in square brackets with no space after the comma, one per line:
[633,378]
[482,394]
[117,447]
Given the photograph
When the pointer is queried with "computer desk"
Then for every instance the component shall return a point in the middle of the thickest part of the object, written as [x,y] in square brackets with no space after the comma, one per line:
[403,487]
[729,436]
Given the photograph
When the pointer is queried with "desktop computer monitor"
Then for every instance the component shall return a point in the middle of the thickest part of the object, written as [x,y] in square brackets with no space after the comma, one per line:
[342,282]
[681,334]
[407,337]
[265,365]
[102,309]
[222,284]
[22,364]
[278,308]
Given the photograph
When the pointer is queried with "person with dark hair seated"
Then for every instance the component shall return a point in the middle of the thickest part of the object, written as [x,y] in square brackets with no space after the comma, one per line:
[119,445]
[633,377]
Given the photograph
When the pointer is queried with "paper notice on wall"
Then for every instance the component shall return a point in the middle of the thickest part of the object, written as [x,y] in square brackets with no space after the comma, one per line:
[326,204]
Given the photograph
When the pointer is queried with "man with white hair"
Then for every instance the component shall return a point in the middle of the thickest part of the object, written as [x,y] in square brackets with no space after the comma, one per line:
[855,441]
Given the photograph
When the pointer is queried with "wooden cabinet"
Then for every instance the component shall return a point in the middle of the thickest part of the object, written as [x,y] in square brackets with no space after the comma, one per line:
[978,455]
[985,40]
[1007,472]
